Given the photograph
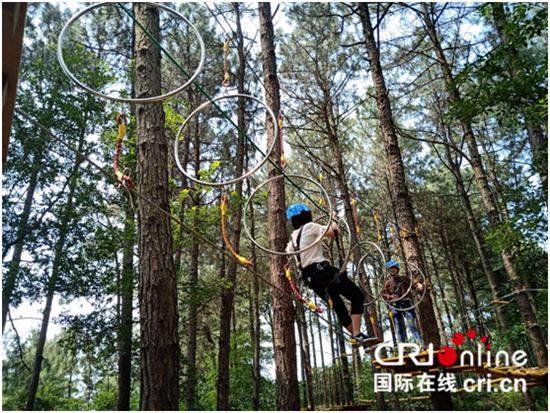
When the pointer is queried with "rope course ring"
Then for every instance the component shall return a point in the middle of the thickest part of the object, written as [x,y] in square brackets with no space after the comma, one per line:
[284,253]
[423,294]
[360,264]
[201,108]
[129,100]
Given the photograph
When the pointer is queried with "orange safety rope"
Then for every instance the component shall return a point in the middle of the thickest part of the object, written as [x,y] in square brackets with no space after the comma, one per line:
[320,190]
[412,328]
[280,121]
[373,326]
[357,230]
[226,80]
[377,227]
[223,208]
[310,305]
[124,180]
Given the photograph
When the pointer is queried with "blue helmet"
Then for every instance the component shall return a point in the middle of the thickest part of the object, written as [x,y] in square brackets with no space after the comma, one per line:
[392,263]
[296,209]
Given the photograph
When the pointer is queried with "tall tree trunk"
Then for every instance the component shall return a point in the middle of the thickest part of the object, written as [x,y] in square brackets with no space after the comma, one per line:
[333,351]
[314,366]
[535,334]
[438,317]
[193,276]
[537,141]
[191,351]
[65,220]
[453,275]
[11,278]
[301,318]
[256,367]
[441,289]
[226,309]
[479,240]
[506,214]
[160,350]
[70,384]
[373,330]
[497,189]
[283,314]
[335,147]
[404,208]
[485,261]
[125,328]
[325,389]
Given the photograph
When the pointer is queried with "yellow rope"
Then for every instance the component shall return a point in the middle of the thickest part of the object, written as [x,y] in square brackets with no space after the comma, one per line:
[226,80]
[377,226]
[223,208]
[395,248]
[121,133]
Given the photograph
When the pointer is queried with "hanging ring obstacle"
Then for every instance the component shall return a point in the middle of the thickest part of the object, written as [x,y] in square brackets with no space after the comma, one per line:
[369,253]
[284,253]
[129,100]
[422,281]
[200,109]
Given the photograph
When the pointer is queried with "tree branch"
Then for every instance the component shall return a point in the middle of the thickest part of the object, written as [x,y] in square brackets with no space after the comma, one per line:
[18,342]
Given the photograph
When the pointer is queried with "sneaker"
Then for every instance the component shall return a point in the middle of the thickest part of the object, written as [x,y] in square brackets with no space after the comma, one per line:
[364,340]
[370,349]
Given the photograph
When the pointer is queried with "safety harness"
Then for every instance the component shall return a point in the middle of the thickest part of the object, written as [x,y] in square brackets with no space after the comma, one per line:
[396,288]
[320,265]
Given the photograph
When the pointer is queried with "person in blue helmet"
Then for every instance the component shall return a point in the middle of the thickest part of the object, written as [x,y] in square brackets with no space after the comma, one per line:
[323,278]
[397,293]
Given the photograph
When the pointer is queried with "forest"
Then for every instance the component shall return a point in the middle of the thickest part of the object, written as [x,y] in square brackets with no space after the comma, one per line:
[157,151]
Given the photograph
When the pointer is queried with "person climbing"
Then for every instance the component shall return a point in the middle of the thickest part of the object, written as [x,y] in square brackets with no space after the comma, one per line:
[323,278]
[396,292]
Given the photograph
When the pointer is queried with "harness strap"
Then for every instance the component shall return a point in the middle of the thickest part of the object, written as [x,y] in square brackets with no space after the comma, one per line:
[395,286]
[297,248]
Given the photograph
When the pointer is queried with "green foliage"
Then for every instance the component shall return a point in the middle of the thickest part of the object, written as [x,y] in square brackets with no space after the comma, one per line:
[173,119]
[59,376]
[105,399]
[490,87]
[322,60]
[524,233]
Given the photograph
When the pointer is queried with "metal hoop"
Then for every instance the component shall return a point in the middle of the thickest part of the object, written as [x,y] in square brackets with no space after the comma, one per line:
[286,254]
[360,263]
[242,177]
[128,100]
[410,286]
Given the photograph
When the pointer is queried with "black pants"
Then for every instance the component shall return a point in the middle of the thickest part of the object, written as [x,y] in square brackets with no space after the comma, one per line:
[322,283]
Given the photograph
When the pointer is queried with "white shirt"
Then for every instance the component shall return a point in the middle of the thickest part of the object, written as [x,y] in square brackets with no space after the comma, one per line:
[310,233]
